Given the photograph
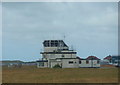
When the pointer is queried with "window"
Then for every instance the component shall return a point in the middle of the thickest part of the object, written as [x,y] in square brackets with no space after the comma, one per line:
[70,62]
[87,61]
[52,44]
[46,43]
[63,56]
[56,44]
[79,62]
[98,62]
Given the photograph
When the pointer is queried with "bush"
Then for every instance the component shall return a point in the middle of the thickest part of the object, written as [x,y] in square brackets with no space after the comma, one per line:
[57,66]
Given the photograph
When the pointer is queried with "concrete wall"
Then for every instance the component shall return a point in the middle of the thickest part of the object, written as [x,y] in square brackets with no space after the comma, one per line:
[54,56]
[42,64]
[92,63]
[55,63]
[51,49]
[45,64]
[39,65]
[66,64]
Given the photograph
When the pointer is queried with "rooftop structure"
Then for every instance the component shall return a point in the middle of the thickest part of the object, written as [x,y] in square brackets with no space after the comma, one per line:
[54,43]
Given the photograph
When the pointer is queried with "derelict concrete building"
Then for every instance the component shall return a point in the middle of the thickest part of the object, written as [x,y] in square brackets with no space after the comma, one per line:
[57,52]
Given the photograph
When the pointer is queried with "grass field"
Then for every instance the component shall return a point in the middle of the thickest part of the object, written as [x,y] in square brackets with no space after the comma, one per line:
[31,74]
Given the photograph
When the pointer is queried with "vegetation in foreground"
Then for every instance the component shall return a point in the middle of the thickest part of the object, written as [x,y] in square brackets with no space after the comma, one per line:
[31,74]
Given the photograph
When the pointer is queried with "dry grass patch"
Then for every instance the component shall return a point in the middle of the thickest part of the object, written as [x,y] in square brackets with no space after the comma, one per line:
[31,74]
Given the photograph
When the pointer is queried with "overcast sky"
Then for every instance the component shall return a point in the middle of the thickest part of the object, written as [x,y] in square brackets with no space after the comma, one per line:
[90,28]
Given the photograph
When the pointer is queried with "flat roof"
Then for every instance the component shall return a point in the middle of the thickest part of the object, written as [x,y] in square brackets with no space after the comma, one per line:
[66,58]
[42,61]
[58,52]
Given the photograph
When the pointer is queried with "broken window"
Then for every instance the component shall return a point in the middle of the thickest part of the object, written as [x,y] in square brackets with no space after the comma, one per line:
[63,56]
[79,62]
[70,62]
[98,61]
[87,62]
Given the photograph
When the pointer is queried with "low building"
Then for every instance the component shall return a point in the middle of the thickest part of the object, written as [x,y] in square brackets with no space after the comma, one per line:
[14,63]
[115,60]
[57,52]
[108,59]
[30,63]
[90,61]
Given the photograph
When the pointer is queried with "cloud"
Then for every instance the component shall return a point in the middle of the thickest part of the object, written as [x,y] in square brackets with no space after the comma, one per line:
[83,24]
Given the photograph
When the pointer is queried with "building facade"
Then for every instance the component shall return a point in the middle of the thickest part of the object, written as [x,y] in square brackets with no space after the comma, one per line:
[114,59]
[108,59]
[57,52]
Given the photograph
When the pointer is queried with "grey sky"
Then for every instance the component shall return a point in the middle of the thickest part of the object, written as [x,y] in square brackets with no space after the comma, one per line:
[90,27]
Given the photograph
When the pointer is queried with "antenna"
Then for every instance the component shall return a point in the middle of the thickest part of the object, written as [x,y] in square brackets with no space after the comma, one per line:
[64,37]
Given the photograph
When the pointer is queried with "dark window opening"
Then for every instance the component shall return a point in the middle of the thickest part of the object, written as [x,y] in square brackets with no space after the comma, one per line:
[54,43]
[63,56]
[98,62]
[70,62]
[79,62]
[87,62]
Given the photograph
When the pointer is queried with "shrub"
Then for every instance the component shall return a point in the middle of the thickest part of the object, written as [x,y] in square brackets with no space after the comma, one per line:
[57,66]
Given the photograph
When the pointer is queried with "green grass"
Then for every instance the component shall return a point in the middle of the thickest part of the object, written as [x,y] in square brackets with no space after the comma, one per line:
[31,74]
